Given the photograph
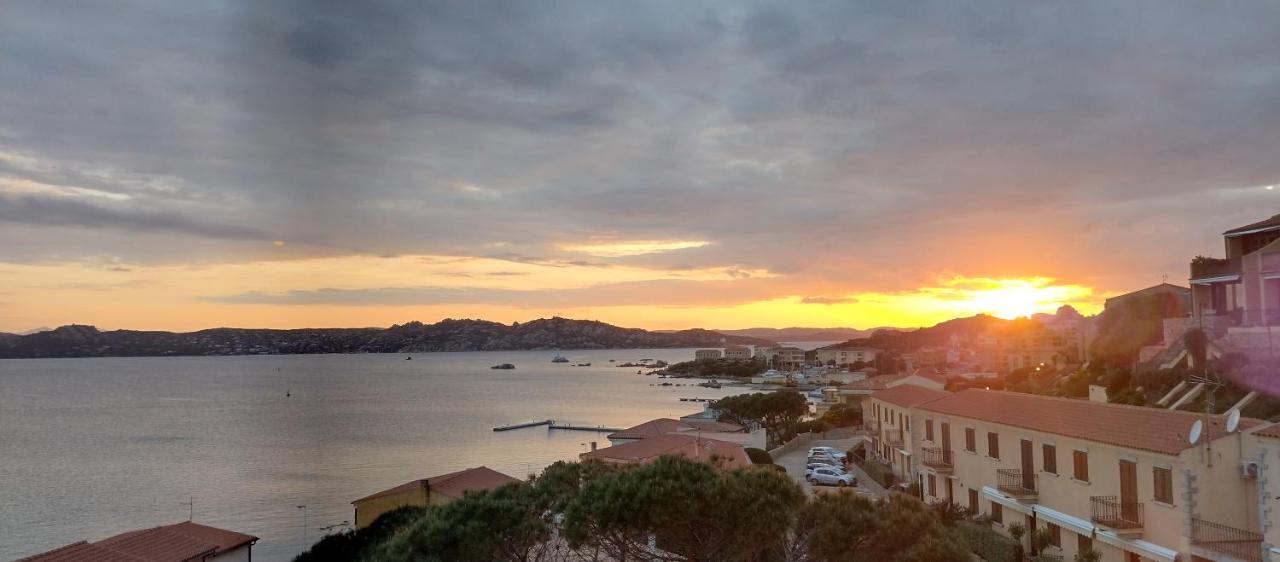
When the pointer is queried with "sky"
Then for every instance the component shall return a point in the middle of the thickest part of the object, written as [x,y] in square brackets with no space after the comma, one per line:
[180,165]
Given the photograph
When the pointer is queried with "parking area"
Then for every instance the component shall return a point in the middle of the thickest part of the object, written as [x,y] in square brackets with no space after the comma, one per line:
[794,462]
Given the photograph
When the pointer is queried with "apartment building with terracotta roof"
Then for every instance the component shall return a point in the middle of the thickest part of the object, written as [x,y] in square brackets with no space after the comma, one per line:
[1123,480]
[723,454]
[894,426]
[180,542]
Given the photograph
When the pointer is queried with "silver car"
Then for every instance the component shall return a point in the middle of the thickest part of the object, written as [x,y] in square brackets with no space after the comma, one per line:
[831,477]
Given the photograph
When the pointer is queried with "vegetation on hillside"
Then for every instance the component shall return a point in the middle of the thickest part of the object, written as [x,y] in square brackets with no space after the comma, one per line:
[669,510]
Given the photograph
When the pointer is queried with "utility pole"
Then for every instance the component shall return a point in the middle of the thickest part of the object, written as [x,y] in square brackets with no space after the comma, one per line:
[304,523]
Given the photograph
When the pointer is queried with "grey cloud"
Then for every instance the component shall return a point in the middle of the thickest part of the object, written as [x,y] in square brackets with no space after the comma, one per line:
[52,211]
[820,141]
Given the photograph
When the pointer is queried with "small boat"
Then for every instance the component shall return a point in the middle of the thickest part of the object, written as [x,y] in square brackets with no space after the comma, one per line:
[408,358]
[503,366]
[611,360]
[583,365]
[559,359]
[713,383]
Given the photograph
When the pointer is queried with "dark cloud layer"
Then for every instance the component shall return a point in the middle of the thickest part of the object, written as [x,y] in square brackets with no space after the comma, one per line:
[869,143]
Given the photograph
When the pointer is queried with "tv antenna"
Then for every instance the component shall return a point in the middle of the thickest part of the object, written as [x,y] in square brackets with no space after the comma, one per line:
[191,507]
[1211,384]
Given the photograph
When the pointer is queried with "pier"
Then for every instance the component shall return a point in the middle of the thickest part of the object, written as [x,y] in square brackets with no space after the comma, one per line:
[698,399]
[523,425]
[596,428]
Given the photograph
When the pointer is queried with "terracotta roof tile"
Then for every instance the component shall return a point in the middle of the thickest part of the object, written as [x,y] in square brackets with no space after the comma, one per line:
[170,543]
[1134,427]
[664,426]
[1271,430]
[687,446]
[909,395]
[453,484]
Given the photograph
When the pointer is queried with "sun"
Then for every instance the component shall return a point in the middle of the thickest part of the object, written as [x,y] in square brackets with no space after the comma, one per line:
[1013,302]
[1013,298]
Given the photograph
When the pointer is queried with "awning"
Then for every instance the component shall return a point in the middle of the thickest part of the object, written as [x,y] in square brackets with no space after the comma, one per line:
[1080,526]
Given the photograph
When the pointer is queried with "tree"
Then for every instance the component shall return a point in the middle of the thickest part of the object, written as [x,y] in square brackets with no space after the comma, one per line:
[691,510]
[499,525]
[352,544]
[842,415]
[777,412]
[845,527]
[1090,555]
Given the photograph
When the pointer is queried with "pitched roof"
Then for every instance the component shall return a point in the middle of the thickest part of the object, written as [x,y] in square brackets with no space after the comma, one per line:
[1271,430]
[1135,427]
[1268,224]
[909,395]
[453,484]
[169,543]
[687,446]
[664,426]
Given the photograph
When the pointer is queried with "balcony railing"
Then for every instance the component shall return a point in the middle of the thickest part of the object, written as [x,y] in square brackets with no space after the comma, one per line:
[893,437]
[1110,511]
[1045,557]
[1228,540]
[872,425]
[1016,483]
[937,458]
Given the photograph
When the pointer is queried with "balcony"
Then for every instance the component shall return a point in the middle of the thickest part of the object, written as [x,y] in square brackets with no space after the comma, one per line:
[937,458]
[872,425]
[893,437]
[1016,483]
[1214,268]
[1224,539]
[1120,516]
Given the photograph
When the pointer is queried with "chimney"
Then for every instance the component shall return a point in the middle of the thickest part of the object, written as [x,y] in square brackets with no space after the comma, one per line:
[1098,393]
[593,446]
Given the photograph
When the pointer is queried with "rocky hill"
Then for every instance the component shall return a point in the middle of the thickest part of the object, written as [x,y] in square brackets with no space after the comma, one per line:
[446,335]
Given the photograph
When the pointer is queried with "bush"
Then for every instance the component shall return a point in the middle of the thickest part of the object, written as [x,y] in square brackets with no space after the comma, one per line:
[758,456]
[879,472]
[988,543]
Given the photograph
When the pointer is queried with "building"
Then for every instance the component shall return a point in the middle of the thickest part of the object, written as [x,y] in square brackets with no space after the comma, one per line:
[1238,297]
[723,454]
[701,354]
[786,358]
[710,429]
[737,352]
[890,414]
[436,490]
[1123,480]
[838,355]
[180,542]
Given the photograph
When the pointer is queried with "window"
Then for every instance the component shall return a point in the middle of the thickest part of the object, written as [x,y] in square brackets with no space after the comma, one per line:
[1081,461]
[970,440]
[1164,484]
[928,430]
[973,501]
[993,445]
[933,486]
[997,512]
[1084,543]
[1055,535]
[1050,459]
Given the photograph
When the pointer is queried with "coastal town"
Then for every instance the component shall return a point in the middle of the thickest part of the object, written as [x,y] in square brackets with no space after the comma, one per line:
[1041,441]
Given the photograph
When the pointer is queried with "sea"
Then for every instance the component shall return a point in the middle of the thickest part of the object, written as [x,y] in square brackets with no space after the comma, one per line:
[279,446]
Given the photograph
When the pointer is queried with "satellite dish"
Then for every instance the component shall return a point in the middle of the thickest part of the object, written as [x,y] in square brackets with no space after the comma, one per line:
[1233,420]
[1196,429]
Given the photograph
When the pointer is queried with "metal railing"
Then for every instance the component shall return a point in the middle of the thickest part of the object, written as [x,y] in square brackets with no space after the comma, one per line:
[1015,482]
[893,437]
[1109,511]
[1225,539]
[1045,557]
[937,458]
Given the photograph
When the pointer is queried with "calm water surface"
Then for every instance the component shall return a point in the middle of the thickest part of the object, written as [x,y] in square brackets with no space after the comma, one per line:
[94,447]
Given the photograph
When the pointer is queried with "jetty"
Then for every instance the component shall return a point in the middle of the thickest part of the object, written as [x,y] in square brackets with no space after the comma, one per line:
[698,399]
[523,425]
[597,428]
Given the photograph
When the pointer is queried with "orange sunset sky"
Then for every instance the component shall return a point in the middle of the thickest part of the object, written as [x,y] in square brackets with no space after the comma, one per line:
[719,165]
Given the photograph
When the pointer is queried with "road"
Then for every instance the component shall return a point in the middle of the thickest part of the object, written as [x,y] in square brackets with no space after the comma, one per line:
[794,462]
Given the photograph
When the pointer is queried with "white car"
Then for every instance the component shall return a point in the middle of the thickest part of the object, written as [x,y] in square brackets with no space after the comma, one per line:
[825,458]
[816,465]
[829,451]
[831,477]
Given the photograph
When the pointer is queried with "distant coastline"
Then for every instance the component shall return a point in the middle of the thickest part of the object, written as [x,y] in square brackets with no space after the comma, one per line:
[413,337]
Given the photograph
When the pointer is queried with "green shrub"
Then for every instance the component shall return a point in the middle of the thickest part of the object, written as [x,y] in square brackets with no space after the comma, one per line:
[987,542]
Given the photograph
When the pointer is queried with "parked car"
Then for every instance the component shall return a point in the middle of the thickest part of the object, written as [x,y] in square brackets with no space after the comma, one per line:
[830,451]
[825,458]
[831,477]
[816,465]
